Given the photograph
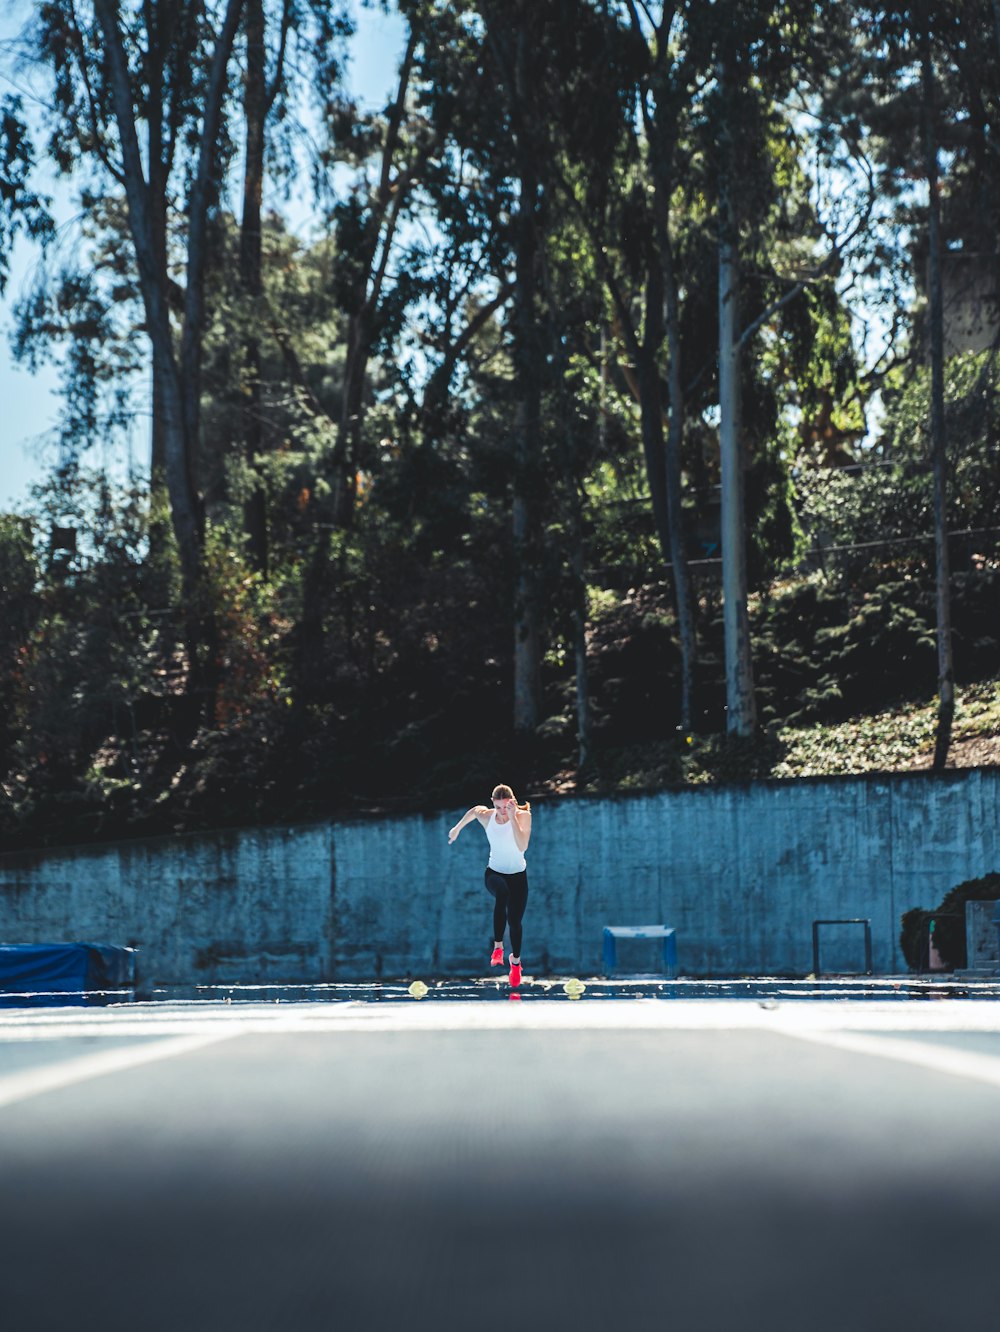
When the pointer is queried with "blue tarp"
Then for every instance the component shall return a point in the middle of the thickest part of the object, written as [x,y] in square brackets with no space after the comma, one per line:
[64,970]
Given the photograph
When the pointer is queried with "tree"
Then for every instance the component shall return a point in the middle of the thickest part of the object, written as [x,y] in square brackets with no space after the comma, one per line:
[490,74]
[658,81]
[258,99]
[515,43]
[934,66]
[366,231]
[939,443]
[661,114]
[365,222]
[161,71]
[754,55]
[741,715]
[22,210]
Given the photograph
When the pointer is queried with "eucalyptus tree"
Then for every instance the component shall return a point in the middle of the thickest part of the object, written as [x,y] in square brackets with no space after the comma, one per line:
[261,88]
[23,211]
[367,175]
[714,165]
[930,112]
[517,48]
[366,222]
[934,71]
[139,110]
[752,58]
[145,117]
[653,76]
[504,84]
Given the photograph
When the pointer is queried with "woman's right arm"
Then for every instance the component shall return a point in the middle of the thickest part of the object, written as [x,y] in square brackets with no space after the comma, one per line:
[476,812]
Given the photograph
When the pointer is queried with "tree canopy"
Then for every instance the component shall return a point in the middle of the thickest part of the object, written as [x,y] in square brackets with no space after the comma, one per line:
[628,377]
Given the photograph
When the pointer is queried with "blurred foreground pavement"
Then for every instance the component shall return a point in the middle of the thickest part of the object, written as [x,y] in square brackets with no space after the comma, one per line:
[479,1166]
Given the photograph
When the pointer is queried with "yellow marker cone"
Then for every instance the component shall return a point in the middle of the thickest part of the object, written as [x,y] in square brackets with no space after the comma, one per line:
[418,989]
[574,988]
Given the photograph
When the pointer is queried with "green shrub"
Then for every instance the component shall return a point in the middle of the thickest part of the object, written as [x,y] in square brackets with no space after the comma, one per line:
[946,923]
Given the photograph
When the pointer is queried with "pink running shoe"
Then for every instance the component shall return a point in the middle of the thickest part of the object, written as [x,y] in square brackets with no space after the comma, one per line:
[497,958]
[515,972]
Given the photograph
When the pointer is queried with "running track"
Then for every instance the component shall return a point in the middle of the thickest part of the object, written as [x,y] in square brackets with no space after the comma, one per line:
[629,1164]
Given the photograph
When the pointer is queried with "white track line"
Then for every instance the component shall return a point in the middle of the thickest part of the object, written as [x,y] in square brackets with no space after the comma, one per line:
[214,1020]
[33,1082]
[939,1058]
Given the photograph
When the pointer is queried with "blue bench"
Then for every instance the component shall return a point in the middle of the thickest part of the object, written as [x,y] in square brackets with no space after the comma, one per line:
[612,933]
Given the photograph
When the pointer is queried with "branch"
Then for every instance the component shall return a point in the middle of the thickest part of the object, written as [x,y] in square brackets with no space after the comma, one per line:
[402,185]
[600,255]
[624,314]
[396,115]
[390,195]
[279,69]
[295,368]
[438,383]
[198,206]
[819,272]
[661,29]
[649,17]
[81,56]
[134,180]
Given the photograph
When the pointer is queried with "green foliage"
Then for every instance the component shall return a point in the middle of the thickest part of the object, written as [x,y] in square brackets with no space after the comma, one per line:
[883,508]
[21,603]
[86,653]
[22,210]
[365,659]
[944,924]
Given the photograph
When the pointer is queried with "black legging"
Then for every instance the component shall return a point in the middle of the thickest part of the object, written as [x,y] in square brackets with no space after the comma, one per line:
[510,894]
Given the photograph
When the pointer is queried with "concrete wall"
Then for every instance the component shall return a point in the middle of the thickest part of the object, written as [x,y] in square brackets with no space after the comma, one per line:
[740,871]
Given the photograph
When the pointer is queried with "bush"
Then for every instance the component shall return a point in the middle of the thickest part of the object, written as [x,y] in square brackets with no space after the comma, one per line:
[948,920]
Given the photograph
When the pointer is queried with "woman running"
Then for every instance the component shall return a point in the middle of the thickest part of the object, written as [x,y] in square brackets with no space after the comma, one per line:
[508,828]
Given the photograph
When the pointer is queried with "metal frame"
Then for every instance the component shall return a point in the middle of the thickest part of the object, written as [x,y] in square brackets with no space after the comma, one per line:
[853,920]
[665,932]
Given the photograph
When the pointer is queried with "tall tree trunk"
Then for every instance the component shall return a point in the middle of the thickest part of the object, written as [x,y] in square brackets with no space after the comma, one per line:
[158,441]
[740,705]
[602,400]
[662,456]
[204,191]
[381,226]
[653,445]
[159,27]
[527,357]
[574,512]
[939,460]
[527,654]
[159,495]
[349,426]
[524,508]
[380,231]
[672,468]
[661,139]
[579,575]
[255,111]
[180,383]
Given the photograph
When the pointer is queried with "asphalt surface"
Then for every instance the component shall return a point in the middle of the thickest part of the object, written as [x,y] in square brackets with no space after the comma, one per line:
[627,1164]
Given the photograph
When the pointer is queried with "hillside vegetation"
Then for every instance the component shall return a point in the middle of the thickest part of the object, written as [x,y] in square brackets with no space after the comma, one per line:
[614,405]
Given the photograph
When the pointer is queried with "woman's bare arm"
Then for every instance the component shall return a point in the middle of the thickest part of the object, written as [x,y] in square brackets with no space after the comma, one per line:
[521,820]
[476,812]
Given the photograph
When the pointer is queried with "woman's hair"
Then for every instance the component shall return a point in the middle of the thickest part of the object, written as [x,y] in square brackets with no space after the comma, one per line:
[503,792]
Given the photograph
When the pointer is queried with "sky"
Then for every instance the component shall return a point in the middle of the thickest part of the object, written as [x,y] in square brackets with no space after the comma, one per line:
[29,407]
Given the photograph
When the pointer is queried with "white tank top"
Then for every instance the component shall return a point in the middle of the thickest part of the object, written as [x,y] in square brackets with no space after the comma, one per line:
[505,857]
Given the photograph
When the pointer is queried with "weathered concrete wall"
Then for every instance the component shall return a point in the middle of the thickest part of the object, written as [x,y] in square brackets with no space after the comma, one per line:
[741,872]
[982,944]
[228,906]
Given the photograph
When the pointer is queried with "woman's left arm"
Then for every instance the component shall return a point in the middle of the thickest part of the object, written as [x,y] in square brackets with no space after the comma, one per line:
[521,819]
